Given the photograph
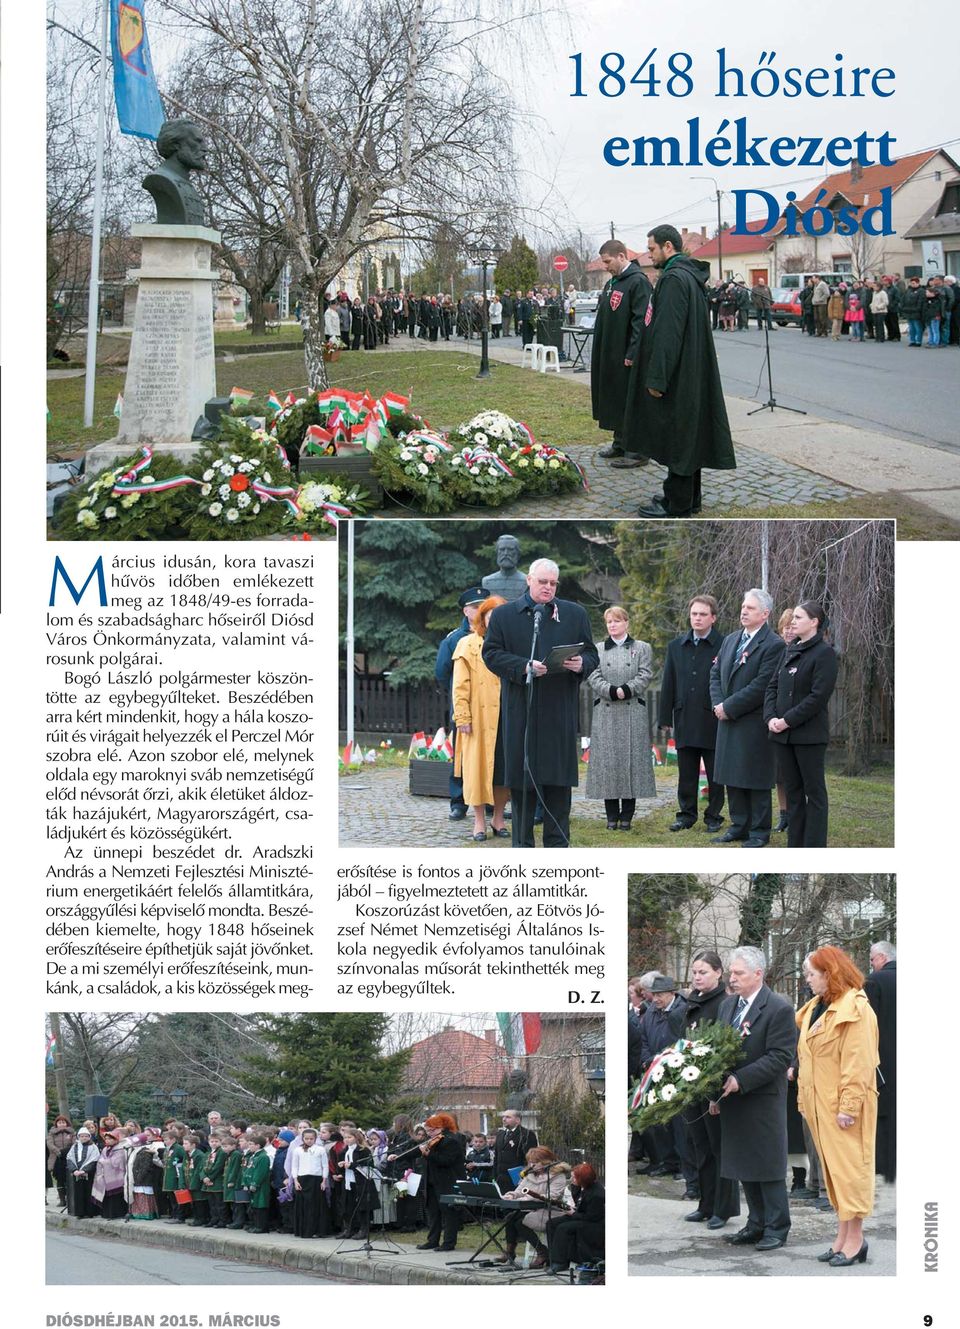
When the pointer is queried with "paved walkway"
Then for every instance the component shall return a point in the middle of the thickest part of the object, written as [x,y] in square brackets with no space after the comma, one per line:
[661,1243]
[376,807]
[397,1265]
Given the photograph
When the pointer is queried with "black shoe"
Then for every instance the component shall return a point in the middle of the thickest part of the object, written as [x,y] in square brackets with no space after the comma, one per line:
[613,826]
[691,1193]
[715,1222]
[728,837]
[695,1217]
[457,813]
[773,1244]
[681,825]
[823,1205]
[803,1193]
[428,1246]
[827,1256]
[626,463]
[755,843]
[644,1169]
[656,508]
[611,450]
[782,824]
[661,1170]
[624,826]
[446,1248]
[747,1236]
[714,826]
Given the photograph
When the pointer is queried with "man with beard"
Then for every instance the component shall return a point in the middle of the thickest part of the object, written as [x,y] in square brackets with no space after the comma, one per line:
[675,409]
[539,703]
[616,346]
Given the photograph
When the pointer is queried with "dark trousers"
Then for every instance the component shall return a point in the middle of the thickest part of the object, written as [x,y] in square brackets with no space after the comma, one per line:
[240,1209]
[768,1209]
[201,1210]
[719,1197]
[751,814]
[555,800]
[259,1219]
[455,785]
[688,784]
[620,809]
[893,325]
[215,1201]
[820,320]
[441,1220]
[801,772]
[681,493]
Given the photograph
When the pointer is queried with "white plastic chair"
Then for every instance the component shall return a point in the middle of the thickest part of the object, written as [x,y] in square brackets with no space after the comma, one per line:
[534,348]
[549,356]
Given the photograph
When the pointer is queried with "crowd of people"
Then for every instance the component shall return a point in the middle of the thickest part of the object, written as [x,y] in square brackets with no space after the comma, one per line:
[360,324]
[815,1093]
[749,709]
[328,1179]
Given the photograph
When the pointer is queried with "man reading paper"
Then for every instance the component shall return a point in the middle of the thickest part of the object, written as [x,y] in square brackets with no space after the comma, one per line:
[539,701]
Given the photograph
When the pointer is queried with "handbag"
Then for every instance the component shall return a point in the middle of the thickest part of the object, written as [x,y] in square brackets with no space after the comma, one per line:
[183,1197]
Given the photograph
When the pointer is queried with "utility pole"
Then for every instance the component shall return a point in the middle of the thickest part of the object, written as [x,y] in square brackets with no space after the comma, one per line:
[613,234]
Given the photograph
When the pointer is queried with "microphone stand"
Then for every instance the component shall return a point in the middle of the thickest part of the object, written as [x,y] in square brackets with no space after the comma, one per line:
[531,679]
[367,1247]
[771,404]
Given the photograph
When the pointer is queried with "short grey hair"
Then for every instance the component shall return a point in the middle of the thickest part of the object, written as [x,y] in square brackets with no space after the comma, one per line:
[763,598]
[547,563]
[752,956]
[645,980]
[884,948]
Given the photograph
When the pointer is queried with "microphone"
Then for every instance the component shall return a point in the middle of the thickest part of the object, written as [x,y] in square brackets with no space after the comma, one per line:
[537,617]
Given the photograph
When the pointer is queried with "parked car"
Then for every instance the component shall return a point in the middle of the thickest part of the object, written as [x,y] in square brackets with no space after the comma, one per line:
[786,307]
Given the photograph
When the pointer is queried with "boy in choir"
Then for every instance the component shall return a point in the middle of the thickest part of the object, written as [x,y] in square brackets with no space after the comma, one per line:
[193,1165]
[232,1167]
[256,1179]
[213,1180]
[241,1196]
[173,1180]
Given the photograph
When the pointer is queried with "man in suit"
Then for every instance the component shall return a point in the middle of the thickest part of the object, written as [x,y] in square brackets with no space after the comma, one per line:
[881,989]
[753,1105]
[510,1151]
[745,756]
[685,709]
[539,704]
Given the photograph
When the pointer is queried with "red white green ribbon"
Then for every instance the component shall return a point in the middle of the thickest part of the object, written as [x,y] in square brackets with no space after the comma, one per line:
[681,1045]
[484,457]
[127,483]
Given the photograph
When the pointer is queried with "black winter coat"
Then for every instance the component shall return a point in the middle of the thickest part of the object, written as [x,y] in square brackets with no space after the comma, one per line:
[911,304]
[744,757]
[703,1007]
[511,1150]
[659,1029]
[799,691]
[445,1164]
[685,690]
[881,989]
[933,306]
[753,1122]
[686,428]
[616,338]
[553,743]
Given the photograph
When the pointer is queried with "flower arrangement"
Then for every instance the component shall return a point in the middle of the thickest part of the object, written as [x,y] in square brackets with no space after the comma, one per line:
[321,504]
[481,477]
[418,470]
[244,491]
[690,1071]
[111,507]
[489,429]
[542,469]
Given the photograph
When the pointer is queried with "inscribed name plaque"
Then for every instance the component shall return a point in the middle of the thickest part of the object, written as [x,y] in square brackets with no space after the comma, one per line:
[171,373]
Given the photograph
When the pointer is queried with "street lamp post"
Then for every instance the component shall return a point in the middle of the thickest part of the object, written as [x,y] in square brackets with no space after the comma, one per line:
[487,259]
[719,222]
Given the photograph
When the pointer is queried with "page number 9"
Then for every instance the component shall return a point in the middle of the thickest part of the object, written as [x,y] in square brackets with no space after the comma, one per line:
[928,1320]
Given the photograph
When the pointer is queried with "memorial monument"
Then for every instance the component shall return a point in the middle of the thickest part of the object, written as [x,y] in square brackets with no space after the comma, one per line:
[170,373]
[506,581]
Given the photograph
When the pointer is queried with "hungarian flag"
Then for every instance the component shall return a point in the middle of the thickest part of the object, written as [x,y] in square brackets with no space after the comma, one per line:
[51,1045]
[521,1032]
[418,744]
[241,394]
[118,405]
[671,750]
[274,403]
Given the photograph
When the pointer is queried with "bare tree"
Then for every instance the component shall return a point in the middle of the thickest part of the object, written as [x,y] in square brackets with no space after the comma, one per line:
[375,119]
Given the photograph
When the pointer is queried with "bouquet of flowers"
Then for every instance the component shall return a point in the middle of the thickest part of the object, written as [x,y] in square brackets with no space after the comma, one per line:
[542,469]
[489,429]
[321,505]
[691,1070]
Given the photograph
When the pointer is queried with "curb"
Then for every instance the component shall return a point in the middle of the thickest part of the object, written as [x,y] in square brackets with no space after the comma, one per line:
[302,1257]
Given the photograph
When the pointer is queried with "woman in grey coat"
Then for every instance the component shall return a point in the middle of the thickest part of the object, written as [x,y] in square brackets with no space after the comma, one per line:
[620,769]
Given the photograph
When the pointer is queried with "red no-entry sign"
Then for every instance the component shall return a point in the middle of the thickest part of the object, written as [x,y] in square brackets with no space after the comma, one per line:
[560,263]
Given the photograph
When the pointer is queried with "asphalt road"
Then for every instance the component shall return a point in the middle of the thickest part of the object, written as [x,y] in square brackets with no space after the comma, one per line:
[83,1261]
[887,387]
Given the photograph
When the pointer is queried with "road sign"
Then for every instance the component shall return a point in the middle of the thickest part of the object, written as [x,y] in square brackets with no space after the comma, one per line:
[560,263]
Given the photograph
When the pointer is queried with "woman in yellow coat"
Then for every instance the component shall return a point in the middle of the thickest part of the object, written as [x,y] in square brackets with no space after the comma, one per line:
[837,1092]
[476,709]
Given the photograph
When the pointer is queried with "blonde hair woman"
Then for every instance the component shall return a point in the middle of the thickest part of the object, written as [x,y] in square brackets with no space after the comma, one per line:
[620,769]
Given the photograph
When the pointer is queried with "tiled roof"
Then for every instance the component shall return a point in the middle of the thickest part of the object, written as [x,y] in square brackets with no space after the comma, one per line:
[457,1059]
[735,244]
[865,191]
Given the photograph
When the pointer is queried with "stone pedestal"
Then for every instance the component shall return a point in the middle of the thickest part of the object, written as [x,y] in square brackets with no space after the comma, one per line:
[170,373]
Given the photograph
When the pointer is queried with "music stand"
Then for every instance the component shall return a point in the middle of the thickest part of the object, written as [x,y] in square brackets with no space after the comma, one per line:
[367,1248]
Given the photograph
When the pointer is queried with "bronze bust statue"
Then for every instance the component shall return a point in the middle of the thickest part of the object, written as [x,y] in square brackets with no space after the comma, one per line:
[507,580]
[181,144]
